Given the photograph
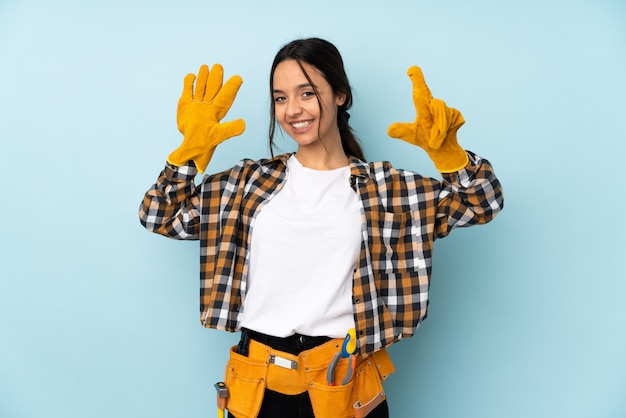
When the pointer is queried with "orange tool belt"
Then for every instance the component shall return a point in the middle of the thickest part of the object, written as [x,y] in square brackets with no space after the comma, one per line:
[267,368]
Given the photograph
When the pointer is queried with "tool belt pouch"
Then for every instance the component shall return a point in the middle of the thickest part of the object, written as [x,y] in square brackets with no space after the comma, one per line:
[330,401]
[368,388]
[359,396]
[245,379]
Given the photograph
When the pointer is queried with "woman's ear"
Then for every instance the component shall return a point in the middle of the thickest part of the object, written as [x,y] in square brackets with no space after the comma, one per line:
[341,99]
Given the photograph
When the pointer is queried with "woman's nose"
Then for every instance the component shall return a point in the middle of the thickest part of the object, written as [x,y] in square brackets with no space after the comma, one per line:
[294,108]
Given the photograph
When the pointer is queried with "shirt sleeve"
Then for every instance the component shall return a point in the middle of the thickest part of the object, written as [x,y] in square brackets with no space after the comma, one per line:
[171,207]
[470,196]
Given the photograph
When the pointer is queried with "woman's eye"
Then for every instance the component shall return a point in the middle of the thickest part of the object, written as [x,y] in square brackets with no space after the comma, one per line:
[308,94]
[279,99]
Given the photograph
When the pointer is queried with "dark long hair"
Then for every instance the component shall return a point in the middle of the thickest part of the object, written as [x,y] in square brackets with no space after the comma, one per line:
[326,58]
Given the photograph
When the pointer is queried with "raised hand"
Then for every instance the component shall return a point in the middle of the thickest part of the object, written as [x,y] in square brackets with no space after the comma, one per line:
[201,107]
[434,128]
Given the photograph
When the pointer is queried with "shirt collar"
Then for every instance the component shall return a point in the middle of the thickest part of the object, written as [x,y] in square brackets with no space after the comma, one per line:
[358,168]
[282,158]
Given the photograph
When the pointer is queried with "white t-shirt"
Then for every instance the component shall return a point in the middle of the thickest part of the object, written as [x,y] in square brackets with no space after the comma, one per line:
[305,244]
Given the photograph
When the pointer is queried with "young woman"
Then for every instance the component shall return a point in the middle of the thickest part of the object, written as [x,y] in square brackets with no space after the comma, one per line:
[320,259]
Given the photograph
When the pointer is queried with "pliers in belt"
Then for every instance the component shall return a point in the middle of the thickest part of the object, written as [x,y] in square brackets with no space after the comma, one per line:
[348,349]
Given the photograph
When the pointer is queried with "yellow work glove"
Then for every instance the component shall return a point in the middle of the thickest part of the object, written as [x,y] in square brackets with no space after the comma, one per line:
[200,110]
[434,128]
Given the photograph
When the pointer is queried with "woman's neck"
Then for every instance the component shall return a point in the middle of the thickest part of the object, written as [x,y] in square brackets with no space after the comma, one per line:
[320,156]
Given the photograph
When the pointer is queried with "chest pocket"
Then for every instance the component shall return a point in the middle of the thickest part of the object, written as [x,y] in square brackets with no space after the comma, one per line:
[393,245]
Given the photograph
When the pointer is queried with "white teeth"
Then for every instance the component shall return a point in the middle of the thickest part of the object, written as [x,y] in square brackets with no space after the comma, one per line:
[300,125]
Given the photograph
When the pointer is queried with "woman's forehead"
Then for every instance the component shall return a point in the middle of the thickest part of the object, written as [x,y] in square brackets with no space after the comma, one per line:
[289,73]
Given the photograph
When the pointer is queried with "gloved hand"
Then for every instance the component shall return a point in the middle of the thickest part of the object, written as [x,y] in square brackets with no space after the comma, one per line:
[434,128]
[199,113]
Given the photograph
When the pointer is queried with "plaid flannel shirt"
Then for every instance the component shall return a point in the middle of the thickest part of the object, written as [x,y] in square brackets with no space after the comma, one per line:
[402,214]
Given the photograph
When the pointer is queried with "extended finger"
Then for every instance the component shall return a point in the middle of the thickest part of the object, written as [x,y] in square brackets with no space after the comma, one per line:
[214,84]
[226,96]
[203,73]
[421,92]
[187,94]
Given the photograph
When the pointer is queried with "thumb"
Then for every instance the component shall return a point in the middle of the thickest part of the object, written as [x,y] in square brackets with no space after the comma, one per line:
[227,130]
[405,131]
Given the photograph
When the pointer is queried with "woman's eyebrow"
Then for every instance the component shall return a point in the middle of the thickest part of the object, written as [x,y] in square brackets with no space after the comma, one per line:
[299,86]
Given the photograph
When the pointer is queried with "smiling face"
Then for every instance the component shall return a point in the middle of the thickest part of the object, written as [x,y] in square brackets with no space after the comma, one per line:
[305,108]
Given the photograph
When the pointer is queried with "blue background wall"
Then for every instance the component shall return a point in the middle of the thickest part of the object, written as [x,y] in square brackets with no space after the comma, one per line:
[99,318]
